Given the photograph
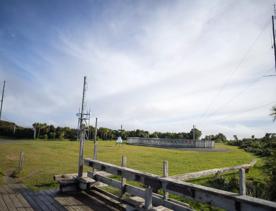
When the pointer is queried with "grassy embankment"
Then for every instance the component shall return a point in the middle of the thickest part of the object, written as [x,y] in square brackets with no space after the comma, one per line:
[43,159]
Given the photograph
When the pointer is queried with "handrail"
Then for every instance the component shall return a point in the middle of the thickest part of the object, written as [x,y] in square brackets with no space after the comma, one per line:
[212,196]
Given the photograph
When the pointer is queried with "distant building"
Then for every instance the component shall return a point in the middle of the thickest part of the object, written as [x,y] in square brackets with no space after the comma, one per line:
[171,143]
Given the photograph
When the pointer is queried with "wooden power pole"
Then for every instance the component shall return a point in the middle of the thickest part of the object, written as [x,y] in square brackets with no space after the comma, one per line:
[194,133]
[273,33]
[2,99]
[83,117]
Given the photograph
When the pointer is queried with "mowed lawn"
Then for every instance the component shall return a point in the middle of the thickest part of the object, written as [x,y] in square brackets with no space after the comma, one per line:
[43,159]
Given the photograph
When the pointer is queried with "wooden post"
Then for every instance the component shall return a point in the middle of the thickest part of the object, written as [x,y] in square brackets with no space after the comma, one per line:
[82,130]
[242,182]
[165,174]
[95,140]
[21,161]
[148,198]
[34,132]
[123,180]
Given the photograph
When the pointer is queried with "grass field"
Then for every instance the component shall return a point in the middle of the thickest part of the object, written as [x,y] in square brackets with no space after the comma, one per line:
[43,159]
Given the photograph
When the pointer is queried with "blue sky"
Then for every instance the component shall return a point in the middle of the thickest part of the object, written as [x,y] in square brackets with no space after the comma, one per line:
[154,65]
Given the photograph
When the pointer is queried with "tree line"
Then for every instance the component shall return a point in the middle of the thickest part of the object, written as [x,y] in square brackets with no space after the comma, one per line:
[48,131]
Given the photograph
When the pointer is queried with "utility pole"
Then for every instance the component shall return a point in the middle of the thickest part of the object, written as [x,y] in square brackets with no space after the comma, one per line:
[2,99]
[83,117]
[273,33]
[193,132]
[95,139]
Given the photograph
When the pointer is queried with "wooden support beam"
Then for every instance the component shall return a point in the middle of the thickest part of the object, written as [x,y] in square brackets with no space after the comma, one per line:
[137,191]
[21,161]
[148,198]
[195,175]
[123,179]
[242,182]
[165,174]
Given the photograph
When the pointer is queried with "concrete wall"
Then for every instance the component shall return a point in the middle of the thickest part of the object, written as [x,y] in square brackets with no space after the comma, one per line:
[166,142]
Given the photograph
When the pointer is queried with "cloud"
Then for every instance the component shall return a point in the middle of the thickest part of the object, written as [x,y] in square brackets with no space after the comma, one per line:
[155,66]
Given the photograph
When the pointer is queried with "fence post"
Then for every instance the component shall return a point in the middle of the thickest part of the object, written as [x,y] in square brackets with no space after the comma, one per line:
[165,174]
[21,160]
[123,179]
[95,140]
[148,198]
[242,182]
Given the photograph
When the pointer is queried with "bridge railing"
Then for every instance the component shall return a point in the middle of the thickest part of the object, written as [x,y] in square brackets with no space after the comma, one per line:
[212,196]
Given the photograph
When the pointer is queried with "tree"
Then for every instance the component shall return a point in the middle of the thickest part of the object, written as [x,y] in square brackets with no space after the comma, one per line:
[273,113]
[197,133]
[220,138]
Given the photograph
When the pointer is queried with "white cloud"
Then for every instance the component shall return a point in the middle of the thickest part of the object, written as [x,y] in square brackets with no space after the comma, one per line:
[155,67]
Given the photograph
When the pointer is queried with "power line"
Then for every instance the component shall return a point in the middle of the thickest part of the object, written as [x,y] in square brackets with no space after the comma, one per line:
[234,70]
[259,107]
[233,98]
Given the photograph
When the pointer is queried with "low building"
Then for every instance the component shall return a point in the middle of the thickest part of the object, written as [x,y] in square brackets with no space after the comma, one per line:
[171,143]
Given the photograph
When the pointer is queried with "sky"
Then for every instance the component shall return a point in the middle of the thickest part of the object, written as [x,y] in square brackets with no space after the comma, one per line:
[154,65]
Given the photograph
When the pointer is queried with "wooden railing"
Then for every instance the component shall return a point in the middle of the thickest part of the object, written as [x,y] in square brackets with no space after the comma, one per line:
[212,196]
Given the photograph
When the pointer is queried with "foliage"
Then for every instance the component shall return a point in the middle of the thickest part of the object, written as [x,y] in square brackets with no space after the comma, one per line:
[9,129]
[219,138]
[261,147]
[273,113]
[43,159]
[254,186]
[264,147]
[45,131]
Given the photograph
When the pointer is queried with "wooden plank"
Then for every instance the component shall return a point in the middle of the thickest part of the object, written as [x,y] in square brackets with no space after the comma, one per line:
[32,202]
[23,201]
[198,174]
[45,200]
[128,173]
[2,190]
[3,206]
[38,201]
[105,201]
[51,202]
[8,189]
[8,202]
[15,201]
[55,203]
[156,198]
[67,202]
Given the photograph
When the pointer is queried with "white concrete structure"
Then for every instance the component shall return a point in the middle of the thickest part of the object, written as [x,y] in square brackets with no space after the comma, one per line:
[174,143]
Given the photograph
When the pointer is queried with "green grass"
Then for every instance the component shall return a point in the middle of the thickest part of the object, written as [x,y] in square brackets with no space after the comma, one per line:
[43,159]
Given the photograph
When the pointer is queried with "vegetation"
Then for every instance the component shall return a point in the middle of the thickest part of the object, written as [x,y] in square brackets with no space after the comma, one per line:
[45,131]
[258,186]
[43,159]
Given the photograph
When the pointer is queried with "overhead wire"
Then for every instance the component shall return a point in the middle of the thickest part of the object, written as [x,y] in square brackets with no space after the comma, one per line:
[233,98]
[244,57]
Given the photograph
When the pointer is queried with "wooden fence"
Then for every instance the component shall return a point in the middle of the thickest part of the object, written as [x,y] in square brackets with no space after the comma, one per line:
[212,196]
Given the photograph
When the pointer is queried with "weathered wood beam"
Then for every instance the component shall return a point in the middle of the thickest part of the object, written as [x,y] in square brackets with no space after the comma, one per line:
[196,175]
[156,198]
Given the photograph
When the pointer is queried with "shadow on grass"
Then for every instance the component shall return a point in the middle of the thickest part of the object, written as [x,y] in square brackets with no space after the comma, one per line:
[46,185]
